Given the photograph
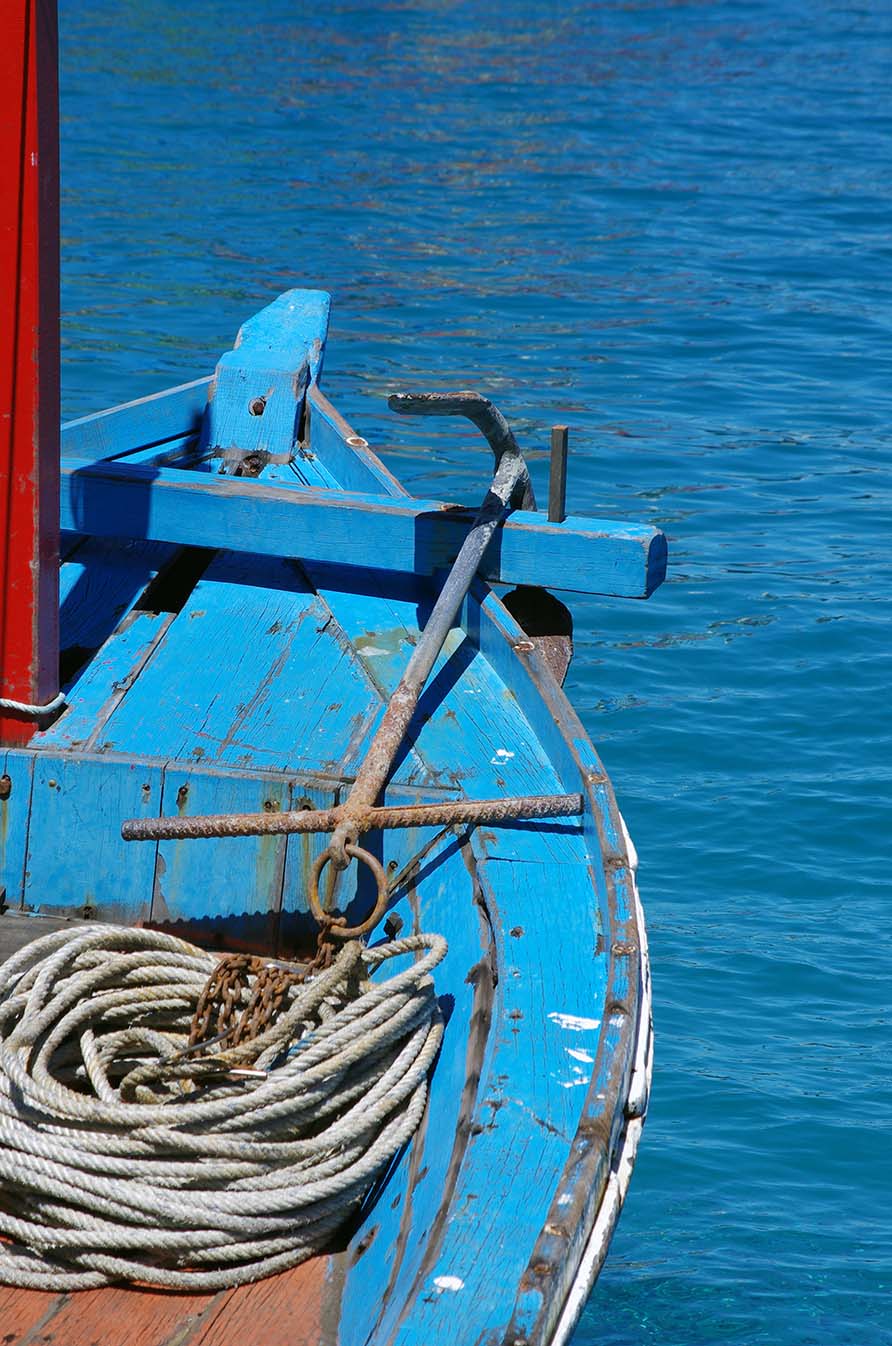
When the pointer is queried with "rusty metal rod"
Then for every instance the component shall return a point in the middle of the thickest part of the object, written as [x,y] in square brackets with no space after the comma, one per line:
[557,479]
[510,488]
[326,820]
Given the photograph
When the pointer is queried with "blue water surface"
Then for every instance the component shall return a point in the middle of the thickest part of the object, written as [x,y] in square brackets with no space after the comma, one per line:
[669,225]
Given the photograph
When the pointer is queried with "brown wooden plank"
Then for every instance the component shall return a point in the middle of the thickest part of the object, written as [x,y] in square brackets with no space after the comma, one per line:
[118,1316]
[23,1311]
[284,1310]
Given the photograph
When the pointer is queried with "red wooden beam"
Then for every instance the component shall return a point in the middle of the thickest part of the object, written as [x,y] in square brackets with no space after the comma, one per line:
[29,361]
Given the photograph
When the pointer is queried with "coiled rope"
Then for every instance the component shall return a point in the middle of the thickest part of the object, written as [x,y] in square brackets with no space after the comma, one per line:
[121,1158]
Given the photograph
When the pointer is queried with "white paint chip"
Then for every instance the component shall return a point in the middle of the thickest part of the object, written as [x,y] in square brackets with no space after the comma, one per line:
[372,650]
[574,1022]
[449,1283]
[579,1055]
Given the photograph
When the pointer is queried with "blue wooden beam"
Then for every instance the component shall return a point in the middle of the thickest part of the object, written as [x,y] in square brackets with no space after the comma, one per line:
[119,499]
[172,414]
[256,398]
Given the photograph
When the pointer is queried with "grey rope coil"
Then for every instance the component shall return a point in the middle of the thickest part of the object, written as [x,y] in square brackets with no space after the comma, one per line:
[121,1158]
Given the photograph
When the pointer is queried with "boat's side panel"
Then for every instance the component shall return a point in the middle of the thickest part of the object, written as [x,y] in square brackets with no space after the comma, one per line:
[345,453]
[77,863]
[613,1096]
[221,886]
[175,413]
[15,813]
[545,1031]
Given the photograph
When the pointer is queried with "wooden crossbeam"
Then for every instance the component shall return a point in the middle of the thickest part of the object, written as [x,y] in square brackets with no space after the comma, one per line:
[117,499]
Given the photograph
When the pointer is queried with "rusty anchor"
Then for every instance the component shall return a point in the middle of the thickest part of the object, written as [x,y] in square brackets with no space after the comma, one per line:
[510,489]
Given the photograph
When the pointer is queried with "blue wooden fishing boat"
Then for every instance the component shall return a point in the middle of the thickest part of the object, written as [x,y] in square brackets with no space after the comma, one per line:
[242,586]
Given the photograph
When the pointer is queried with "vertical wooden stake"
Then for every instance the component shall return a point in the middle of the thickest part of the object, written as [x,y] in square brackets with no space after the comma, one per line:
[29,362]
[557,481]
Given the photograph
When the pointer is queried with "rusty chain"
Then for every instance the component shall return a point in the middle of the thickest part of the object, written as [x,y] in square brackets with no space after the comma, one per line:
[218,1018]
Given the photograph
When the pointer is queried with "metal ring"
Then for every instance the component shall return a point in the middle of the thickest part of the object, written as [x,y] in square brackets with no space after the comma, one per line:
[356,853]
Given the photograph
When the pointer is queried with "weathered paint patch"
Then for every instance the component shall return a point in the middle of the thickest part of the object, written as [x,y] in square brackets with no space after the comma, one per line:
[579,1055]
[574,1022]
[449,1283]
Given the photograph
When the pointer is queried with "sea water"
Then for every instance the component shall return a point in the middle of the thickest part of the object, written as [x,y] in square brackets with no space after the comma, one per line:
[669,226]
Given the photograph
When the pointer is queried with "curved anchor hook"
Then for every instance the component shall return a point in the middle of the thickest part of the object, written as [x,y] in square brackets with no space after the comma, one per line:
[488,420]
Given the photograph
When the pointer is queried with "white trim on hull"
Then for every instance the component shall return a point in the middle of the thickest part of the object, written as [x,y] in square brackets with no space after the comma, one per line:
[617,1185]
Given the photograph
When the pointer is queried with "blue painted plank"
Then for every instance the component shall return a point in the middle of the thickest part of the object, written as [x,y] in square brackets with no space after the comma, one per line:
[134,425]
[14,814]
[76,857]
[345,453]
[405,1215]
[227,890]
[104,683]
[414,536]
[547,1013]
[253,673]
[98,585]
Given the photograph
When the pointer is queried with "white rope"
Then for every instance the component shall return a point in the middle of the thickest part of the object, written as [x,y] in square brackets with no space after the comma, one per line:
[119,1163]
[32,709]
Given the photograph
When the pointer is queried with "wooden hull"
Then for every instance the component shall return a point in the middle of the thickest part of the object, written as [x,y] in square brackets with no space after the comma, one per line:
[209,682]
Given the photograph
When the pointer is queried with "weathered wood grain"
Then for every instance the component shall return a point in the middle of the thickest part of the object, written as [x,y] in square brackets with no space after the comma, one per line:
[24,1313]
[284,1310]
[120,1316]
[78,865]
[15,818]
[256,399]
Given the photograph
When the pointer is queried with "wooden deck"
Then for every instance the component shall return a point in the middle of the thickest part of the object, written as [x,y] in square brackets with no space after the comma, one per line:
[284,1310]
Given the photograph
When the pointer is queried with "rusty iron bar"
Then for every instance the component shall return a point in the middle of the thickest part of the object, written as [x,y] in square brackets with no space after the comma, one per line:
[510,488]
[473,811]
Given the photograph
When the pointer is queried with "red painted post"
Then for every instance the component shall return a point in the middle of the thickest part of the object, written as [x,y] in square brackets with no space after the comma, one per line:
[29,361]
